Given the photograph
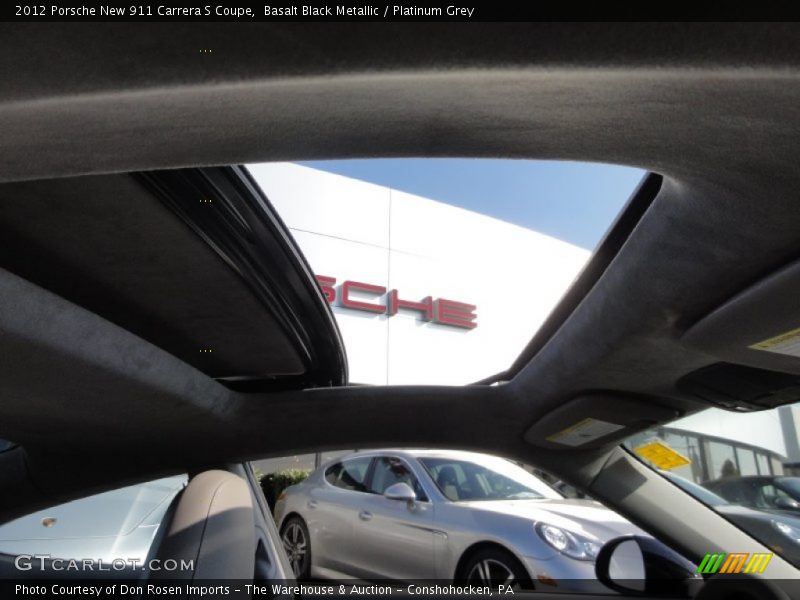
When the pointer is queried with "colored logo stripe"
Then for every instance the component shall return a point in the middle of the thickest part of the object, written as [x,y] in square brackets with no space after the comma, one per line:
[711,563]
[758,562]
[734,563]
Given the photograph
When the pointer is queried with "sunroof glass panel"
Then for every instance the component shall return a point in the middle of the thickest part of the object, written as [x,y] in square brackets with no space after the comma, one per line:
[440,271]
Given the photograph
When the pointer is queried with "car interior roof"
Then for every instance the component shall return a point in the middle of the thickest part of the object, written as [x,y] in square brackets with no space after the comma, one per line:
[714,117]
[139,251]
[80,238]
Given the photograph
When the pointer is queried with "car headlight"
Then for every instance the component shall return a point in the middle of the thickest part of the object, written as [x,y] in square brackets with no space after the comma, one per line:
[789,531]
[569,543]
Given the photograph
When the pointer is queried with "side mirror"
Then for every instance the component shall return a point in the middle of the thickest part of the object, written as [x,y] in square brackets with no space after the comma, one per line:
[786,503]
[641,565]
[401,491]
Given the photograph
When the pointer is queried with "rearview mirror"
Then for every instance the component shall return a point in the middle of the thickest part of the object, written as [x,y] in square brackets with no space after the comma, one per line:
[401,491]
[644,565]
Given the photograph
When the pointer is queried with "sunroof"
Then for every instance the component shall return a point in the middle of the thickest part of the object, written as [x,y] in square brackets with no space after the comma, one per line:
[440,271]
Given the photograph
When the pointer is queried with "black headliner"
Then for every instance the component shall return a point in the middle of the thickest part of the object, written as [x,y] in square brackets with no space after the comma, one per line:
[713,108]
[196,263]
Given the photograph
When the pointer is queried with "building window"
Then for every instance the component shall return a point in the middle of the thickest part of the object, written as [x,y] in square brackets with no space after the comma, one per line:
[747,462]
[686,445]
[763,464]
[721,460]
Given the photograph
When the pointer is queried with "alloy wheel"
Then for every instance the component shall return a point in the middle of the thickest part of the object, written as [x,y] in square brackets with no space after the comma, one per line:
[295,544]
[492,572]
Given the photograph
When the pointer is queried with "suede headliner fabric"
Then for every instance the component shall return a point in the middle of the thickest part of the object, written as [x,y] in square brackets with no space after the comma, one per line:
[107,244]
[715,109]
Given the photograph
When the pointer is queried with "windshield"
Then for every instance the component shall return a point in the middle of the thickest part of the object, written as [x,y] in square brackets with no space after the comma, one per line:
[468,481]
[726,458]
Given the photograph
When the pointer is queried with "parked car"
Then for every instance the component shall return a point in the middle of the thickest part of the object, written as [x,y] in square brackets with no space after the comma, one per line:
[414,514]
[119,523]
[779,531]
[774,494]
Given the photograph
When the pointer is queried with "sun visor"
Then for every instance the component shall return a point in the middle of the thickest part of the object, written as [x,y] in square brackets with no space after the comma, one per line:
[759,327]
[755,336]
[740,388]
[596,420]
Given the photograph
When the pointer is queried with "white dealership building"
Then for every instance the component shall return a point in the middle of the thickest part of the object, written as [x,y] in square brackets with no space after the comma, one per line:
[467,292]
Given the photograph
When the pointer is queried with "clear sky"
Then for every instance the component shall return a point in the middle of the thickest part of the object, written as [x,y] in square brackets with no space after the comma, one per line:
[574,202]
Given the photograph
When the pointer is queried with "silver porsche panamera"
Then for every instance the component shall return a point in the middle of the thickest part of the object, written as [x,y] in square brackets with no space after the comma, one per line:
[425,514]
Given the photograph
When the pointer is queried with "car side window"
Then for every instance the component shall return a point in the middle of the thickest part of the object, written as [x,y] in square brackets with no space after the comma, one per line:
[332,473]
[390,470]
[451,479]
[734,492]
[353,474]
[768,494]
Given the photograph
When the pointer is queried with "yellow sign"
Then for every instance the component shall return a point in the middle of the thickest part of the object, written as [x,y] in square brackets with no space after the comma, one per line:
[661,455]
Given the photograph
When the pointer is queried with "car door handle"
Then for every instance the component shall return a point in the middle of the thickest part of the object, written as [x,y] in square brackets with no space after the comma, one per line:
[312,504]
[365,515]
